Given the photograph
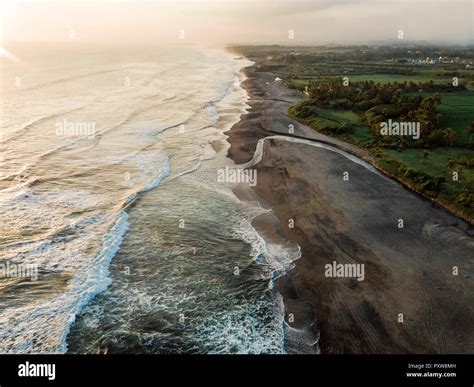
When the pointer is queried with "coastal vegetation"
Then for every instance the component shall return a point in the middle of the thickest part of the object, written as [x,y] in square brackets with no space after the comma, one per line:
[352,92]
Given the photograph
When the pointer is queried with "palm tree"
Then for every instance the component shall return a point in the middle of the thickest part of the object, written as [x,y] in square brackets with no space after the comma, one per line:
[425,154]
[450,135]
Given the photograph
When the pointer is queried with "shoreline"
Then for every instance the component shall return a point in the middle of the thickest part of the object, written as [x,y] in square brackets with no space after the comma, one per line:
[340,322]
[267,225]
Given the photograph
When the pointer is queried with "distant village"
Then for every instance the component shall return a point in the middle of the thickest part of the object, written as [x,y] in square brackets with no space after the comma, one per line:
[440,60]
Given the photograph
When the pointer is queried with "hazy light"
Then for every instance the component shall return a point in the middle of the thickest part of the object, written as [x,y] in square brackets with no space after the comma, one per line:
[5,54]
[243,21]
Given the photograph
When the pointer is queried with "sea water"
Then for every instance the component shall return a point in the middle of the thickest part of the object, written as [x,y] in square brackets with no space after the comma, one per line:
[108,185]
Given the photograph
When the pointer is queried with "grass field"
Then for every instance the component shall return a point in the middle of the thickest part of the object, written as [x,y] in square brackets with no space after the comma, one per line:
[301,82]
[441,162]
[361,134]
[386,78]
[437,162]
[339,116]
[457,112]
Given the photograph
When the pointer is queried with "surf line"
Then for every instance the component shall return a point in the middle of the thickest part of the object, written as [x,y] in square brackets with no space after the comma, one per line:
[304,334]
[97,282]
[312,342]
[257,157]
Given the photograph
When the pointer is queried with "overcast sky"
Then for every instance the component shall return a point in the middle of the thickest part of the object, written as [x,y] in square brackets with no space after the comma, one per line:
[244,21]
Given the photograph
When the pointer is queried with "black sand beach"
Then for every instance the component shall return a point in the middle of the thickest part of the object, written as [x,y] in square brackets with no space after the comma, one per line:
[409,301]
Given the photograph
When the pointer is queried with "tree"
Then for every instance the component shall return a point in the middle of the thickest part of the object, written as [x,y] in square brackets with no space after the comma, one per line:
[449,136]
[425,154]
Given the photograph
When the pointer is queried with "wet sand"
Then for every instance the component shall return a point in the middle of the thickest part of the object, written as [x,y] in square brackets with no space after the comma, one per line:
[409,301]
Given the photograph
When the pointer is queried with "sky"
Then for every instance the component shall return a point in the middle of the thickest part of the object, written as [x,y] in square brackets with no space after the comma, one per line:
[221,22]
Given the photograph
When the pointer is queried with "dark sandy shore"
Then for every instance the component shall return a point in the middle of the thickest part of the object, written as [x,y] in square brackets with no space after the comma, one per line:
[408,271]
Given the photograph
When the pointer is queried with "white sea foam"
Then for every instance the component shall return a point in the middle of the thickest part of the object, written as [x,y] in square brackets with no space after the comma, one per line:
[43,325]
[96,279]
[241,331]
[69,213]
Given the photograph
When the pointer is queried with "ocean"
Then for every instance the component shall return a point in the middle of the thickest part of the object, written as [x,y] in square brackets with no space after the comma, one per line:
[108,187]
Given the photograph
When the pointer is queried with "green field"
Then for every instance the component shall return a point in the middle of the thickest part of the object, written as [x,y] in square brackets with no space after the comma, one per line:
[427,168]
[457,112]
[301,82]
[338,116]
[441,162]
[437,162]
[323,118]
[361,135]
[391,78]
